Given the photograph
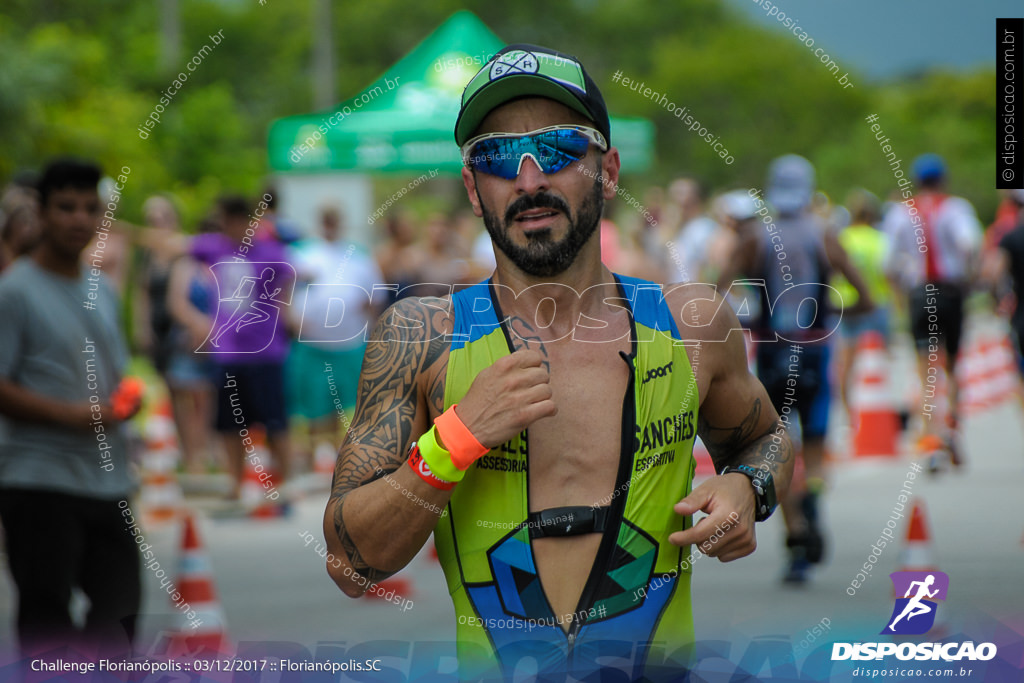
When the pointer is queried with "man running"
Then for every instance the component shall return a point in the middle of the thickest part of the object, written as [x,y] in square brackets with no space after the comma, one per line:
[794,254]
[551,412]
[935,250]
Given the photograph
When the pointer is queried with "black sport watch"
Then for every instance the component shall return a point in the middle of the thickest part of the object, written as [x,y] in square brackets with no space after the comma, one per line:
[764,489]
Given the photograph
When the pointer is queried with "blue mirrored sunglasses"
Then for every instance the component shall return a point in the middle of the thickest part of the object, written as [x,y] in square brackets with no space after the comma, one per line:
[552,149]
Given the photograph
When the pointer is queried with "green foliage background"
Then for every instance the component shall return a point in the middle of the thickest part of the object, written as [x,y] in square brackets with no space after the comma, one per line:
[81,77]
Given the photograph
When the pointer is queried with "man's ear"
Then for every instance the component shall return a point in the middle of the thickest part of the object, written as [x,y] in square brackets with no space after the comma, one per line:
[610,165]
[469,180]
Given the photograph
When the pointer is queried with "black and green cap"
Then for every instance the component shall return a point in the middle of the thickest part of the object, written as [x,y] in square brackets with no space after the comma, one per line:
[523,70]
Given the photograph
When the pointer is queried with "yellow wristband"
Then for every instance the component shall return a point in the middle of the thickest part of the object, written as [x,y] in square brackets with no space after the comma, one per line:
[438,459]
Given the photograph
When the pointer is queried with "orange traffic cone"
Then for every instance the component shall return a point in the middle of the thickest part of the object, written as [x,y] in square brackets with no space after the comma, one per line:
[1008,370]
[252,483]
[877,422]
[206,630]
[161,434]
[917,553]
[988,374]
[973,374]
[256,486]
[259,483]
[160,498]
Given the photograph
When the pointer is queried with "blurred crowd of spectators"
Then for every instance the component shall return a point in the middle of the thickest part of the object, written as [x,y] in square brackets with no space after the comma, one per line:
[307,374]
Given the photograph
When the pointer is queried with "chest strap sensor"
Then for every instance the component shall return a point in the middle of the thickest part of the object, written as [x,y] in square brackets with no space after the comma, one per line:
[571,520]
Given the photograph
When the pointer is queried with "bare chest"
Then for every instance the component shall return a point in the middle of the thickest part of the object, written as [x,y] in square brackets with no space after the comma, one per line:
[574,455]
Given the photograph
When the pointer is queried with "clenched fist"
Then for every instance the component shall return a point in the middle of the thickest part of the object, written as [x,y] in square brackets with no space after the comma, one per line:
[507,397]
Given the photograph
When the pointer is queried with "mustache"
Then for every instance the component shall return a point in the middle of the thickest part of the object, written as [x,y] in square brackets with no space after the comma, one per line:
[541,200]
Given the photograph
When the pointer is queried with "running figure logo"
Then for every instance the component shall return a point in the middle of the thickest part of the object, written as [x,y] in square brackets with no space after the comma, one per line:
[914,613]
[246,321]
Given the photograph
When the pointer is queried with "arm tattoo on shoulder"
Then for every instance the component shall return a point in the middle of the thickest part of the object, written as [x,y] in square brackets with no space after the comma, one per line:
[724,442]
[525,337]
[409,338]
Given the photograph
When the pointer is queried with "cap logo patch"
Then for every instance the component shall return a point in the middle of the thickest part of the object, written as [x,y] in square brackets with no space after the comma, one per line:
[515,62]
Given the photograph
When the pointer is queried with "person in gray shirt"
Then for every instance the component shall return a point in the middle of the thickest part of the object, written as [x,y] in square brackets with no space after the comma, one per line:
[63,461]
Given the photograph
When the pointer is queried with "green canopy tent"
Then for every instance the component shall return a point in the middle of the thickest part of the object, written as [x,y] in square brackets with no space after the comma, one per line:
[403,121]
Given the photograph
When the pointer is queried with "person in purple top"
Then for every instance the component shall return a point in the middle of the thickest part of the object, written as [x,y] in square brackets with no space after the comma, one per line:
[248,339]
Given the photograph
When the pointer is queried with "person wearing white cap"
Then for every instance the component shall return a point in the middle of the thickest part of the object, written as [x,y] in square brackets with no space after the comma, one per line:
[737,211]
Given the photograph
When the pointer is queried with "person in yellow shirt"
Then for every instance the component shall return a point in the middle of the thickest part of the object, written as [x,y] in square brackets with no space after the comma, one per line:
[868,248]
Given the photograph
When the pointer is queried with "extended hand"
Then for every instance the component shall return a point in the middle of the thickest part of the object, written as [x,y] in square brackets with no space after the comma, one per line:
[728,531]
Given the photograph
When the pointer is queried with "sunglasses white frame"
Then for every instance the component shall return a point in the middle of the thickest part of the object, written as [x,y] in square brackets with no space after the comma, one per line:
[593,134]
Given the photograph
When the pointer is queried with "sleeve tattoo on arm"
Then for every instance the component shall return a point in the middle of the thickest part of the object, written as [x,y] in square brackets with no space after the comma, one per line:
[770,451]
[737,445]
[723,442]
[409,338]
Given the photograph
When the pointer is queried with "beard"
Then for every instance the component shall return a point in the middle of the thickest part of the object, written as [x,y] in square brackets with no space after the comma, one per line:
[543,256]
